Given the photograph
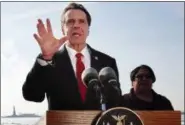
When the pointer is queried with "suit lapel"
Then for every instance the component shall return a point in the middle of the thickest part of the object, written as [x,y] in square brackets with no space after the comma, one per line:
[94,59]
[65,62]
[68,72]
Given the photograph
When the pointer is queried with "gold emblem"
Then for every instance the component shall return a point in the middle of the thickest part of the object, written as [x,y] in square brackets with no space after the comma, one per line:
[119,119]
[119,116]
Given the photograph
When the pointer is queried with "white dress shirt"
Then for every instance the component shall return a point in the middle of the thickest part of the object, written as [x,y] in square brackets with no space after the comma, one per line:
[85,59]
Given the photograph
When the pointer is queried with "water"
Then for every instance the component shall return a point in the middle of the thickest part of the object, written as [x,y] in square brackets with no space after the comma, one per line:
[19,121]
[33,121]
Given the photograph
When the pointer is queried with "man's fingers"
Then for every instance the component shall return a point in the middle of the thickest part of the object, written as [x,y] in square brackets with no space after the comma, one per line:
[63,39]
[49,28]
[40,28]
[40,21]
[37,38]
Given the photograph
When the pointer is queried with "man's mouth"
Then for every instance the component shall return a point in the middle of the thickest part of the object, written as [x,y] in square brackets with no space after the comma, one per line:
[76,34]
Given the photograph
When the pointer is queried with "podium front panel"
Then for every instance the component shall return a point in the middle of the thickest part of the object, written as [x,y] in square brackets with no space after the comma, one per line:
[87,117]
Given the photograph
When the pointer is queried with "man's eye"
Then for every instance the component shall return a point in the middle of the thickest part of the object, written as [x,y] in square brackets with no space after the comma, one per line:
[70,21]
[82,21]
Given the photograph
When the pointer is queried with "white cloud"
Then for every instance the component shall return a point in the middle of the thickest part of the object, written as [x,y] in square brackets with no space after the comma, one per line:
[41,9]
[9,55]
[8,18]
[14,70]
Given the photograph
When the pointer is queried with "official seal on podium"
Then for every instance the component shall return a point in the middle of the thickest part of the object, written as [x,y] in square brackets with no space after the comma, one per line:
[119,116]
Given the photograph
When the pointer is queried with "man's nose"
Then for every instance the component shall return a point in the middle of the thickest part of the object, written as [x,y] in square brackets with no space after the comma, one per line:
[76,24]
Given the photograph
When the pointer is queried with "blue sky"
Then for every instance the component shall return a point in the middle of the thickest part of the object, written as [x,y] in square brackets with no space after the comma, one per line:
[134,33]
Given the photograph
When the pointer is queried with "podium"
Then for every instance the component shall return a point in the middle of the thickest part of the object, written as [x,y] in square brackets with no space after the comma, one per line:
[86,118]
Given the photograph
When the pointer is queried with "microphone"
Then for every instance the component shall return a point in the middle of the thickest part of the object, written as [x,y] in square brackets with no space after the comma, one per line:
[108,78]
[111,89]
[91,80]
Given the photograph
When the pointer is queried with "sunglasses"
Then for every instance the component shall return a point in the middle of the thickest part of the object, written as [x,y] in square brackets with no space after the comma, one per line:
[143,76]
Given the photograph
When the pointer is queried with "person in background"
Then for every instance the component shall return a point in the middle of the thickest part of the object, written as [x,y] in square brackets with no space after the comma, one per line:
[142,96]
[57,71]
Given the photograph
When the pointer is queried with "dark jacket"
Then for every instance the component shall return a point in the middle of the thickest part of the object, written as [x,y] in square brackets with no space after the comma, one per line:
[159,102]
[59,83]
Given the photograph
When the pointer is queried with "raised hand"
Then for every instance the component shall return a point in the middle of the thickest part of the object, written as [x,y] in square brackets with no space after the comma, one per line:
[48,43]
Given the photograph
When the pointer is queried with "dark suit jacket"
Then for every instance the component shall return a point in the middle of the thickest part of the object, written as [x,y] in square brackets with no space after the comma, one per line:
[59,83]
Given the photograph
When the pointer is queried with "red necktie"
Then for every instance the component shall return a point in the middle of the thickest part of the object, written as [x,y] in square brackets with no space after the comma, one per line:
[79,69]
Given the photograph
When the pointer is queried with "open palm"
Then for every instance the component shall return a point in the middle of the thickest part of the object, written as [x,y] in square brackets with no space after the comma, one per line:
[46,40]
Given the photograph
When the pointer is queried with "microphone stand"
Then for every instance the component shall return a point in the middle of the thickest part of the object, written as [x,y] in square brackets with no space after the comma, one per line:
[102,102]
[102,98]
[99,92]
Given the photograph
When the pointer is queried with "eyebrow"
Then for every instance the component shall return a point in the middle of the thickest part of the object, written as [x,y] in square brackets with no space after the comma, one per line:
[75,19]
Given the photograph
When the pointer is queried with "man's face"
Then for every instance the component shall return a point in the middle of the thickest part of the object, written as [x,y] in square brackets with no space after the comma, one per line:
[75,26]
[143,81]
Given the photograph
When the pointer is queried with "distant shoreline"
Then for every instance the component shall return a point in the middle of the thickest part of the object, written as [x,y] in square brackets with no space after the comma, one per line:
[20,116]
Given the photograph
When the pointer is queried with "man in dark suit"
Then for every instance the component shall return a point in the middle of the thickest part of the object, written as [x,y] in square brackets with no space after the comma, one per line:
[57,73]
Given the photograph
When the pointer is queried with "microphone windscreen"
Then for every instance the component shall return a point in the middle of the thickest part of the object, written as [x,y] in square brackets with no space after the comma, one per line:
[106,74]
[89,74]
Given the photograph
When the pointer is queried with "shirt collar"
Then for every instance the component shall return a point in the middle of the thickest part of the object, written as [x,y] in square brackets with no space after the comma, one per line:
[72,52]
